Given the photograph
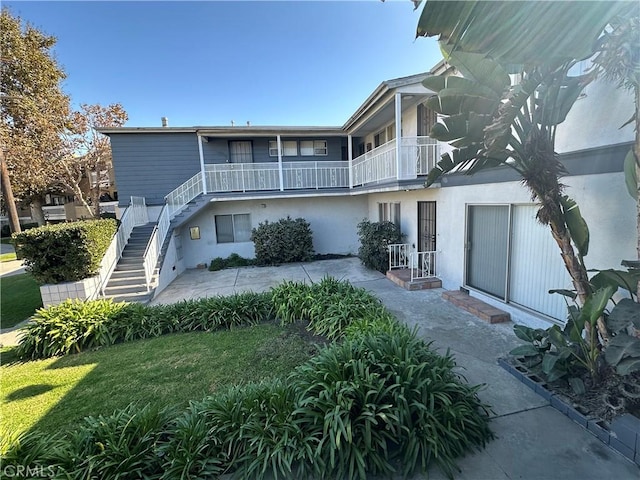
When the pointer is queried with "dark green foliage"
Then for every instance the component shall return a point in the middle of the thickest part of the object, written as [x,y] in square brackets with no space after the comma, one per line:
[284,241]
[73,326]
[6,230]
[384,397]
[375,237]
[66,252]
[232,261]
[359,408]
[329,306]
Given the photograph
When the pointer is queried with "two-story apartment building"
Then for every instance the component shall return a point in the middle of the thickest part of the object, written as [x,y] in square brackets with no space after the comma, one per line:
[207,187]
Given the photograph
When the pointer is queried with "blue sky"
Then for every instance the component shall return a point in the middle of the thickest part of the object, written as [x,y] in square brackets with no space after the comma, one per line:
[207,63]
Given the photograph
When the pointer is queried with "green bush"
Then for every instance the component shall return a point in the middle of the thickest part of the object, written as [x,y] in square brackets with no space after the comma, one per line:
[378,400]
[73,326]
[381,399]
[329,306]
[66,252]
[232,261]
[375,238]
[284,241]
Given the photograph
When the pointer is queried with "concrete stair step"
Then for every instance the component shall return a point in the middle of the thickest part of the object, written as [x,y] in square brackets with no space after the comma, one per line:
[124,289]
[133,297]
[127,266]
[127,280]
[131,272]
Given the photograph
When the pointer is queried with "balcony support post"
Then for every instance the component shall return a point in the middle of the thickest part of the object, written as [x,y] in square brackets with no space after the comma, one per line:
[280,164]
[398,105]
[202,172]
[350,150]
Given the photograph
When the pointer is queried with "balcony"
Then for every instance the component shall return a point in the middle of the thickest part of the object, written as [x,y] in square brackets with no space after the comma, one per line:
[413,157]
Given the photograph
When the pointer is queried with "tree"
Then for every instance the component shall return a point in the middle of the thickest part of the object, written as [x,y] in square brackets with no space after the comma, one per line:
[83,166]
[618,60]
[490,122]
[33,108]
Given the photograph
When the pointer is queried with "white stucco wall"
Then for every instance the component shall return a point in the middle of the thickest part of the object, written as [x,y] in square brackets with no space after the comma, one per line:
[172,266]
[604,203]
[596,118]
[333,222]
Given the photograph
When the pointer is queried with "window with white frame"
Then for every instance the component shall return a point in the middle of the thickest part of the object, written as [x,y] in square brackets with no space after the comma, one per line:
[289,148]
[233,228]
[310,148]
[389,212]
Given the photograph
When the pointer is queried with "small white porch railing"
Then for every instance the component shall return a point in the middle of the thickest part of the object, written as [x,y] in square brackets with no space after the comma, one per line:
[134,215]
[421,264]
[399,255]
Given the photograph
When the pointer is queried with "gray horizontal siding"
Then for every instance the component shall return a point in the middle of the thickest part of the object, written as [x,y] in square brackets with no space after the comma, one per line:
[216,150]
[151,165]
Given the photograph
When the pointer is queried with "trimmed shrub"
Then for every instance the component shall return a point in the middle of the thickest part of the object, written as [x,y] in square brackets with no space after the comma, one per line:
[232,261]
[284,241]
[66,252]
[375,238]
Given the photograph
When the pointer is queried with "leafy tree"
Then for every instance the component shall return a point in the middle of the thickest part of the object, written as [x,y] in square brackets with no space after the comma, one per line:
[33,108]
[491,122]
[618,60]
[86,158]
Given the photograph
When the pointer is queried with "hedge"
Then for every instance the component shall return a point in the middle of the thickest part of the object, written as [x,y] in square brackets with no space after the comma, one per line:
[66,252]
[284,241]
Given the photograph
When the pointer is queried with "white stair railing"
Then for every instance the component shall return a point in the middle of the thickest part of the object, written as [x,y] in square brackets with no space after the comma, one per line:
[423,265]
[179,197]
[134,215]
[154,246]
[399,254]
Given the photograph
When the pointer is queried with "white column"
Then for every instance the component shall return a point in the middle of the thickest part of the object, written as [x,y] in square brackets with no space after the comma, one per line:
[202,172]
[280,164]
[350,149]
[398,133]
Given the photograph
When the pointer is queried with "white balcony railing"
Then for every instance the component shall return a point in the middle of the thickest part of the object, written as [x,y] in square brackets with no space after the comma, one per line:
[418,155]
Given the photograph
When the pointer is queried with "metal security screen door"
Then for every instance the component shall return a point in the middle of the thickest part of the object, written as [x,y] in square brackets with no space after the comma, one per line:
[240,152]
[487,248]
[427,226]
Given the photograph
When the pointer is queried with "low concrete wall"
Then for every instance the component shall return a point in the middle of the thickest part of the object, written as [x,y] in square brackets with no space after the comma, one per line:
[58,293]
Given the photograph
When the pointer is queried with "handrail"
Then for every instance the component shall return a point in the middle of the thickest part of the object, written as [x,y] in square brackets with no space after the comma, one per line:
[154,245]
[135,214]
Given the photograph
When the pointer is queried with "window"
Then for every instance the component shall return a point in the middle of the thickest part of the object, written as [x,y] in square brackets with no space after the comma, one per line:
[289,148]
[313,147]
[379,139]
[240,152]
[233,228]
[389,212]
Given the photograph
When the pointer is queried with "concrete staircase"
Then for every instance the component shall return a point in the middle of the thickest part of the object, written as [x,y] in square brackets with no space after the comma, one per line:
[128,282]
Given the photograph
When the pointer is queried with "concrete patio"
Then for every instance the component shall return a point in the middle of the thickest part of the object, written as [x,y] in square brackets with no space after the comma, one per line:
[534,441]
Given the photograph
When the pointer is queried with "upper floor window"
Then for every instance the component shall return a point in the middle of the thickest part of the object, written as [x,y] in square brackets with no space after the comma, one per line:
[289,148]
[313,147]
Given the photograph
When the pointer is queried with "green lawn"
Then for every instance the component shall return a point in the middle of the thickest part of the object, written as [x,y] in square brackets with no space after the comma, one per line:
[168,370]
[19,298]
[7,257]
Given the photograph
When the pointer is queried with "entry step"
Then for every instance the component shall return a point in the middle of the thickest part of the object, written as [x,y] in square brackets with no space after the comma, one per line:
[480,309]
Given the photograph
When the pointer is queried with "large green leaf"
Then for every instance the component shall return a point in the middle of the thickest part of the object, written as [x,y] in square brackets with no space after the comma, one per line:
[481,70]
[504,29]
[578,228]
[557,98]
[625,313]
[441,82]
[628,365]
[630,174]
[524,351]
[594,307]
[617,278]
[621,346]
